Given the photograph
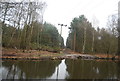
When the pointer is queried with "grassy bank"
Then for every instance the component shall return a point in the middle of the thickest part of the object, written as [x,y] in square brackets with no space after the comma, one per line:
[27,54]
[17,54]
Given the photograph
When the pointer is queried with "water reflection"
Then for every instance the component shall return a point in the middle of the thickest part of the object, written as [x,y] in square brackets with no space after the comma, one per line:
[57,69]
[60,72]
[90,69]
[118,65]
[28,69]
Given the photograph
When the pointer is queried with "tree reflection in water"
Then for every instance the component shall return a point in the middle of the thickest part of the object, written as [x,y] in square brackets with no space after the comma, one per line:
[91,69]
[65,69]
[29,69]
[118,70]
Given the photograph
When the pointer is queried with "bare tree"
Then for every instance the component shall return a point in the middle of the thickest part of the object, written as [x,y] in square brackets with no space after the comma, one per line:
[84,41]
[95,24]
[22,14]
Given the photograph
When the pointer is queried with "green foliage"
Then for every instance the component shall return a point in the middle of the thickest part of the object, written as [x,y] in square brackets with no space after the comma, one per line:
[104,40]
[51,35]
[34,36]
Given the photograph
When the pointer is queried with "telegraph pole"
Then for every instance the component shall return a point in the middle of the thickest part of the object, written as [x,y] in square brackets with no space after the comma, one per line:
[61,31]
[61,28]
[60,47]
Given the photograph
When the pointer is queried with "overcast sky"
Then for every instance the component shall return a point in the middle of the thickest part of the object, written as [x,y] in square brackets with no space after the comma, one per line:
[63,11]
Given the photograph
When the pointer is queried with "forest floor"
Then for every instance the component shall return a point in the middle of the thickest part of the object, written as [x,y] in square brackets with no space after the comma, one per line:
[15,54]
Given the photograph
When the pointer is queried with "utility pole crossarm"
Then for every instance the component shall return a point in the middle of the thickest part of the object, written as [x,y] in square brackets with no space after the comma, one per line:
[61,28]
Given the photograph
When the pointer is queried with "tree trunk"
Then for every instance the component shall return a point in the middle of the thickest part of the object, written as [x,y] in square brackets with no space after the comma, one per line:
[7,4]
[74,40]
[118,28]
[93,41]
[84,43]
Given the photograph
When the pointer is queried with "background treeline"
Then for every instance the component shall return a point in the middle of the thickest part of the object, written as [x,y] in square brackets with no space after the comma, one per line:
[47,39]
[84,38]
[23,27]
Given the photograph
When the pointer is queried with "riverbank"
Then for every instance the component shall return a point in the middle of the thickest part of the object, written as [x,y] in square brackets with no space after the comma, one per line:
[17,54]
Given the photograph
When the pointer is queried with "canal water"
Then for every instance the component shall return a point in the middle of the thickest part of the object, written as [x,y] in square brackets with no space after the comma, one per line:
[60,69]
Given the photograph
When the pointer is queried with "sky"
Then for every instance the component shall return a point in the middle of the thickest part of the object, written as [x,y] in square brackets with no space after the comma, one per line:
[63,11]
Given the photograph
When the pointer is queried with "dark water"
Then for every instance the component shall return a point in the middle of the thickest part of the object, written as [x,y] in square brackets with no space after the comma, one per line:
[60,69]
